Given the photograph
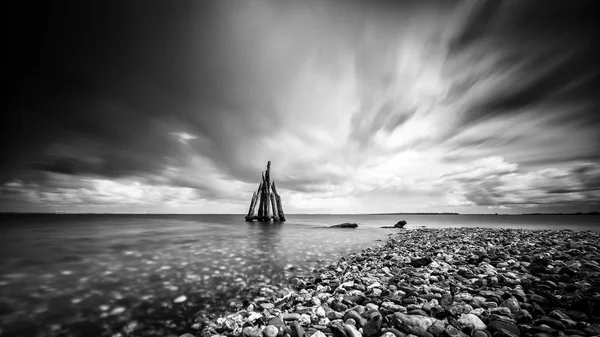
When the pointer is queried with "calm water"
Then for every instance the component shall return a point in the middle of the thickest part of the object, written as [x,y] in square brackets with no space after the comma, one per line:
[56,267]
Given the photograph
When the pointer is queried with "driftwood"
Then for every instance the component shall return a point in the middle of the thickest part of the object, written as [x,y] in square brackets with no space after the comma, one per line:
[268,200]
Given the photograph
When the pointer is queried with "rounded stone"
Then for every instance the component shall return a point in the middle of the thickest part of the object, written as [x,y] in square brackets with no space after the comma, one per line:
[277,322]
[318,334]
[372,306]
[304,320]
[251,331]
[291,317]
[471,322]
[512,304]
[480,333]
[270,331]
[495,326]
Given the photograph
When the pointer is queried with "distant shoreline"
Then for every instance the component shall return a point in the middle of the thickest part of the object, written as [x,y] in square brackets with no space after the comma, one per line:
[87,213]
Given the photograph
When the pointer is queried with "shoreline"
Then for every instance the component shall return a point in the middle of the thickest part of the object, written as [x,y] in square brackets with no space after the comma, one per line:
[436,282]
[422,281]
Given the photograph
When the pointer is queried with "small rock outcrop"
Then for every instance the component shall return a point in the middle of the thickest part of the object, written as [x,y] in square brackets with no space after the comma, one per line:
[400,224]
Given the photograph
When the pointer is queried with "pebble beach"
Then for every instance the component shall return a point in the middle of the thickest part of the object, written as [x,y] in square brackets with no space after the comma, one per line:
[453,282]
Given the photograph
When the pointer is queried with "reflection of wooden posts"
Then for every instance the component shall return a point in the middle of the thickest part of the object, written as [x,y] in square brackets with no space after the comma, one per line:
[269,202]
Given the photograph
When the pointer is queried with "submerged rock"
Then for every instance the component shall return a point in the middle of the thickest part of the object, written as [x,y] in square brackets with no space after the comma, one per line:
[345,225]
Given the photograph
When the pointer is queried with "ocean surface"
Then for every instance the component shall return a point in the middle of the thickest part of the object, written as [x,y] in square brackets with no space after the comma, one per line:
[57,270]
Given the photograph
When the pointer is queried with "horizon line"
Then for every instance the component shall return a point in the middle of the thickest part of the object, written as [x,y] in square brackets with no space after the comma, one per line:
[242,214]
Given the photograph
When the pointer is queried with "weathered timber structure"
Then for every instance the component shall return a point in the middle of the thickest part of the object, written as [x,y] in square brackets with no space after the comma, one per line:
[269,202]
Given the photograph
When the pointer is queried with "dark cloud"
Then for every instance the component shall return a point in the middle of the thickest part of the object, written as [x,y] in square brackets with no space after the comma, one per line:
[108,82]
[76,78]
[494,182]
[522,54]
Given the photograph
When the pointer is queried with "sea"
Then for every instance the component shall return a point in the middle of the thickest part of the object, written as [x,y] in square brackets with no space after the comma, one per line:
[114,269]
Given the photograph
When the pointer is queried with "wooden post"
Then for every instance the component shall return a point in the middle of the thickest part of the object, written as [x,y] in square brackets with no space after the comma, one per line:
[250,215]
[279,206]
[264,200]
[261,204]
[267,191]
[275,214]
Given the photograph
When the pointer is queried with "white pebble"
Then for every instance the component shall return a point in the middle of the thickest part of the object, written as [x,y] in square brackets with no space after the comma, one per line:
[180,299]
[117,311]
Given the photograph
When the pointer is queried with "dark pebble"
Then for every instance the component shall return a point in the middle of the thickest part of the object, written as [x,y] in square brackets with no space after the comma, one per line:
[420,332]
[553,323]
[495,326]
[454,332]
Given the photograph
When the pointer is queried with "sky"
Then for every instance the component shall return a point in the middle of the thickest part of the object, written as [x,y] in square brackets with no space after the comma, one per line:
[361,106]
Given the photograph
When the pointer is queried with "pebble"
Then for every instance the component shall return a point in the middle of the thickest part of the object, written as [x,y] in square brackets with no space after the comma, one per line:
[117,311]
[180,299]
[472,322]
[291,317]
[267,306]
[495,326]
[512,304]
[270,331]
[451,331]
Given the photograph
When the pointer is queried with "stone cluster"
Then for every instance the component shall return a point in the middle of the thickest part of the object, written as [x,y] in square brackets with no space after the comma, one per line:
[453,282]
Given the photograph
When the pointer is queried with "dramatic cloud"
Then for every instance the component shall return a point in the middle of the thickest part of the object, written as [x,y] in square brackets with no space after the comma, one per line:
[494,182]
[362,106]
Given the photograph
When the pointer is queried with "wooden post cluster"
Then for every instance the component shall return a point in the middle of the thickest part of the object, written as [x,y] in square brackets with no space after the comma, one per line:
[269,202]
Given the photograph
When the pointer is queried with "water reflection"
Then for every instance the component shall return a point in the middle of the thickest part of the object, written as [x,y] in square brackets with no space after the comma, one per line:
[267,237]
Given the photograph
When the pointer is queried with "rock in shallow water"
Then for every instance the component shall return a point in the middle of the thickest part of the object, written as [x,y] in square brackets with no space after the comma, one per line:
[345,225]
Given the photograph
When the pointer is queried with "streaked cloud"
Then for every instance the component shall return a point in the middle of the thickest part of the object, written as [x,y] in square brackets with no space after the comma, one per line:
[361,106]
